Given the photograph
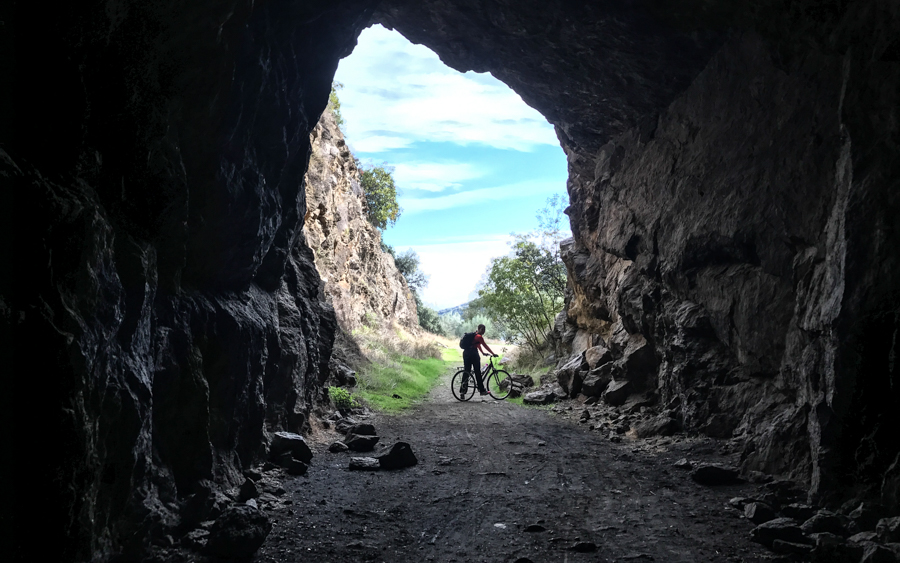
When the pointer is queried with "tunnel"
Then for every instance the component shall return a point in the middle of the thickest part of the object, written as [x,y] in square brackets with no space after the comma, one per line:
[733,185]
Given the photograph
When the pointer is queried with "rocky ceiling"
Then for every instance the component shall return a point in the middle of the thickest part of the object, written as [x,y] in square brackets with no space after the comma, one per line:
[733,177]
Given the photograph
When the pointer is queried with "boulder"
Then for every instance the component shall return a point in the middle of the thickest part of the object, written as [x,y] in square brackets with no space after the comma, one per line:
[337,447]
[596,380]
[238,532]
[798,511]
[617,392]
[364,464]
[362,429]
[542,396]
[571,375]
[830,548]
[248,491]
[661,425]
[597,356]
[759,512]
[784,529]
[888,529]
[400,455]
[289,442]
[827,521]
[874,553]
[357,443]
[639,363]
[867,515]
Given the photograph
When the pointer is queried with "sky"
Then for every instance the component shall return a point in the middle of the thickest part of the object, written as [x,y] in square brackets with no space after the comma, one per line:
[472,162]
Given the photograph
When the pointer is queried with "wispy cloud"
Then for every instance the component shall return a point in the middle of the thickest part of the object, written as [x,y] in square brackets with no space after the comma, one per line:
[416,95]
[434,176]
[473,197]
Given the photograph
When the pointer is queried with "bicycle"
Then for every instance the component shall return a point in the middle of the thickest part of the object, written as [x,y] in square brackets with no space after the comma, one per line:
[497,382]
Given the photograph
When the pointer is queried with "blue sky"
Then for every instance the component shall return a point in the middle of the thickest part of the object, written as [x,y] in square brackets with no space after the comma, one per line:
[472,162]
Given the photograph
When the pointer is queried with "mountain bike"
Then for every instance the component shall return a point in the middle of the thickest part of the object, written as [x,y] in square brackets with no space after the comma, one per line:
[497,382]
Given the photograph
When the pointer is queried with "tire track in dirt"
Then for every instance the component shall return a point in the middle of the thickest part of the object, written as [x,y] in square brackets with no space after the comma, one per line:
[487,470]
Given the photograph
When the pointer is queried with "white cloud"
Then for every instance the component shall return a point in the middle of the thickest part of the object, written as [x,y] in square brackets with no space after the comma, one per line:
[455,268]
[418,98]
[479,196]
[379,143]
[433,176]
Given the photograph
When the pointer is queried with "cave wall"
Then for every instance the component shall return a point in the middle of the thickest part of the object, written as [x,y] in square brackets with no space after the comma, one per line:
[733,176]
[161,311]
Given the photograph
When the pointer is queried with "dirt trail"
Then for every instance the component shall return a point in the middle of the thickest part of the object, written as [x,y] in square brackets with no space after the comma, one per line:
[489,469]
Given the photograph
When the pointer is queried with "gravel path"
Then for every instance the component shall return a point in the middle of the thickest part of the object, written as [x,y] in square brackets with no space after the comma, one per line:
[491,471]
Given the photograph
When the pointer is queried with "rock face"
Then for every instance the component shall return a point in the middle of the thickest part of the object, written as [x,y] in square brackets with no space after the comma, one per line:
[733,184]
[360,279]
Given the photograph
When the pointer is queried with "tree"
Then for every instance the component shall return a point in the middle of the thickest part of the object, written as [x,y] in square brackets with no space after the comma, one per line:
[524,291]
[381,195]
[334,104]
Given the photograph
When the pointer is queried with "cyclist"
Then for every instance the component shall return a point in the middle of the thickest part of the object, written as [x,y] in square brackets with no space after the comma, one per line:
[472,361]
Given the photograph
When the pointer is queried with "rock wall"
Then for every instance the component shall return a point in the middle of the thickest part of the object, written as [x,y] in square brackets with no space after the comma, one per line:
[161,311]
[361,282]
[747,234]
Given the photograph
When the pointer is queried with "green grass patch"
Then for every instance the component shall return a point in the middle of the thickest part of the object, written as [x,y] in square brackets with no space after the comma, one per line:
[401,381]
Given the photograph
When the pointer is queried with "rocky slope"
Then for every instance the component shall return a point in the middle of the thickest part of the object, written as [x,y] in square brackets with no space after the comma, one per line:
[359,279]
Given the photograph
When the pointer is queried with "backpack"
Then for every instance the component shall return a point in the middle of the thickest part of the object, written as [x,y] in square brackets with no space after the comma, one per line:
[466,341]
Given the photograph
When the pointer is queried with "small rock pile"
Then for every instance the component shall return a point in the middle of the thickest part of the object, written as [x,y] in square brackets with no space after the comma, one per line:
[788,526]
[361,437]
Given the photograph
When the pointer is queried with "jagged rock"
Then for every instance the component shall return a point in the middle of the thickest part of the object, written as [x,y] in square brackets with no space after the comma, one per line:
[597,356]
[798,511]
[344,425]
[337,447]
[247,491]
[238,532]
[785,529]
[639,363]
[830,548]
[683,463]
[720,425]
[759,512]
[867,515]
[863,537]
[634,403]
[661,425]
[400,455]
[252,474]
[571,375]
[343,375]
[827,521]
[874,553]
[888,529]
[364,464]
[362,429]
[357,443]
[296,467]
[540,397]
[597,380]
[289,442]
[617,392]
[715,475]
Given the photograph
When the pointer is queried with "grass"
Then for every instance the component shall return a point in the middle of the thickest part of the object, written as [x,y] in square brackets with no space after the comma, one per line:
[402,369]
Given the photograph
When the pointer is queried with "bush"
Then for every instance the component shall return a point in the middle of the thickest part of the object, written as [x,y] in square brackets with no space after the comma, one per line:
[341,398]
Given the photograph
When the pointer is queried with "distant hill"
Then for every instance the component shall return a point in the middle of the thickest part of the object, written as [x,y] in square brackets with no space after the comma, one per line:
[458,309]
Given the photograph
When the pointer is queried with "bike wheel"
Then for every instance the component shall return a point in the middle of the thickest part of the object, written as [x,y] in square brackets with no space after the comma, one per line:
[499,384]
[462,385]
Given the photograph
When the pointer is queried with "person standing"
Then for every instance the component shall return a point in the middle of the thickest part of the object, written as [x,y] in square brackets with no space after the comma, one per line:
[471,359]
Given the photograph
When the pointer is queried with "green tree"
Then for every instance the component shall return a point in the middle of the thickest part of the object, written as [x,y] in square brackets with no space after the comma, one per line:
[428,317]
[524,291]
[381,195]
[334,104]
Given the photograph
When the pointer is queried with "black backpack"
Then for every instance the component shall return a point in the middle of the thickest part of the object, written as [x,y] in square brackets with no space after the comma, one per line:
[466,341]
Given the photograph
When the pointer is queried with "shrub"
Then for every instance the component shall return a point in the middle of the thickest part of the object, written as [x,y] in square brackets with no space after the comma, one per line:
[341,398]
